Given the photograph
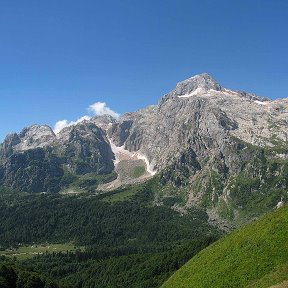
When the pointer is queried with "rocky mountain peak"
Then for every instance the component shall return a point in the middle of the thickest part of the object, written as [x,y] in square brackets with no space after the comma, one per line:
[196,84]
[35,136]
[204,85]
[36,129]
[103,121]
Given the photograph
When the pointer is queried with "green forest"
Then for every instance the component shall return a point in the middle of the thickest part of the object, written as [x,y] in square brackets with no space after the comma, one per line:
[119,241]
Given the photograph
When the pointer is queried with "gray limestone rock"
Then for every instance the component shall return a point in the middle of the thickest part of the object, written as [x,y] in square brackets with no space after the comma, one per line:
[35,136]
[35,160]
[85,149]
[202,115]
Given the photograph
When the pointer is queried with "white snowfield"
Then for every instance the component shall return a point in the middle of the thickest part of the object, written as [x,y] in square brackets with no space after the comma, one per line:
[149,167]
[122,154]
[202,91]
[260,102]
[195,92]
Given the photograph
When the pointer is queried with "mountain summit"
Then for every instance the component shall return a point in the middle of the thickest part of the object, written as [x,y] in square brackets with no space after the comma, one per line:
[203,84]
[196,84]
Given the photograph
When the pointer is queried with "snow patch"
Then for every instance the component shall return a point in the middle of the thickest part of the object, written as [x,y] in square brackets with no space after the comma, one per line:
[260,102]
[199,91]
[229,91]
[148,165]
[122,154]
[195,92]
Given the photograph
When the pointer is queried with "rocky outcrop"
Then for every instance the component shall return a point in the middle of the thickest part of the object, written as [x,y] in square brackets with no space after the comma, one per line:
[6,148]
[35,136]
[33,170]
[85,149]
[36,159]
[104,121]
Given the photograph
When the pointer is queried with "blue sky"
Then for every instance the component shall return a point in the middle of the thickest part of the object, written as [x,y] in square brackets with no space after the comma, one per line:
[59,57]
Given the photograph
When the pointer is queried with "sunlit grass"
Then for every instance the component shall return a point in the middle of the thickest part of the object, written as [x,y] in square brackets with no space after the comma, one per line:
[254,256]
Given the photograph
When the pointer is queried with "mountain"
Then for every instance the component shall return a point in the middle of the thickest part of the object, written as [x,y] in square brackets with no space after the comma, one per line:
[37,160]
[254,256]
[229,148]
[200,115]
[223,150]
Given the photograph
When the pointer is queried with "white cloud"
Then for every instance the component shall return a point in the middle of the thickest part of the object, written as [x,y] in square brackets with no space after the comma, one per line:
[97,109]
[100,108]
[65,123]
[59,125]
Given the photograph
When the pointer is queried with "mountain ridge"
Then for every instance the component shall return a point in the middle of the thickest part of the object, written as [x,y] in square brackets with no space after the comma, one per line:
[201,138]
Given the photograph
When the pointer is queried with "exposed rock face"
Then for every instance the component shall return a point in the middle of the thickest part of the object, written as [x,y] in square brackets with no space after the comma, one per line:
[35,159]
[85,149]
[197,84]
[6,148]
[200,115]
[33,170]
[200,135]
[35,136]
[104,121]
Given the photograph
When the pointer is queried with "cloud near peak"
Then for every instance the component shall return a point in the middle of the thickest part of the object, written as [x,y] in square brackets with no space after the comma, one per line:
[100,108]
[61,124]
[96,109]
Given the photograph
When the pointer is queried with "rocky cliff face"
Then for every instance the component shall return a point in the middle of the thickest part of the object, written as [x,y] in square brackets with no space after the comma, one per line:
[33,170]
[200,136]
[85,149]
[37,159]
[200,115]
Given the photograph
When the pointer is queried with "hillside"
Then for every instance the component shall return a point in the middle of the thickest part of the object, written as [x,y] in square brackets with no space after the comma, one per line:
[254,256]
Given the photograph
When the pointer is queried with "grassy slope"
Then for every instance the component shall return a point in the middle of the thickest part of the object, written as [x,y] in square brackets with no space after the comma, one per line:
[254,256]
